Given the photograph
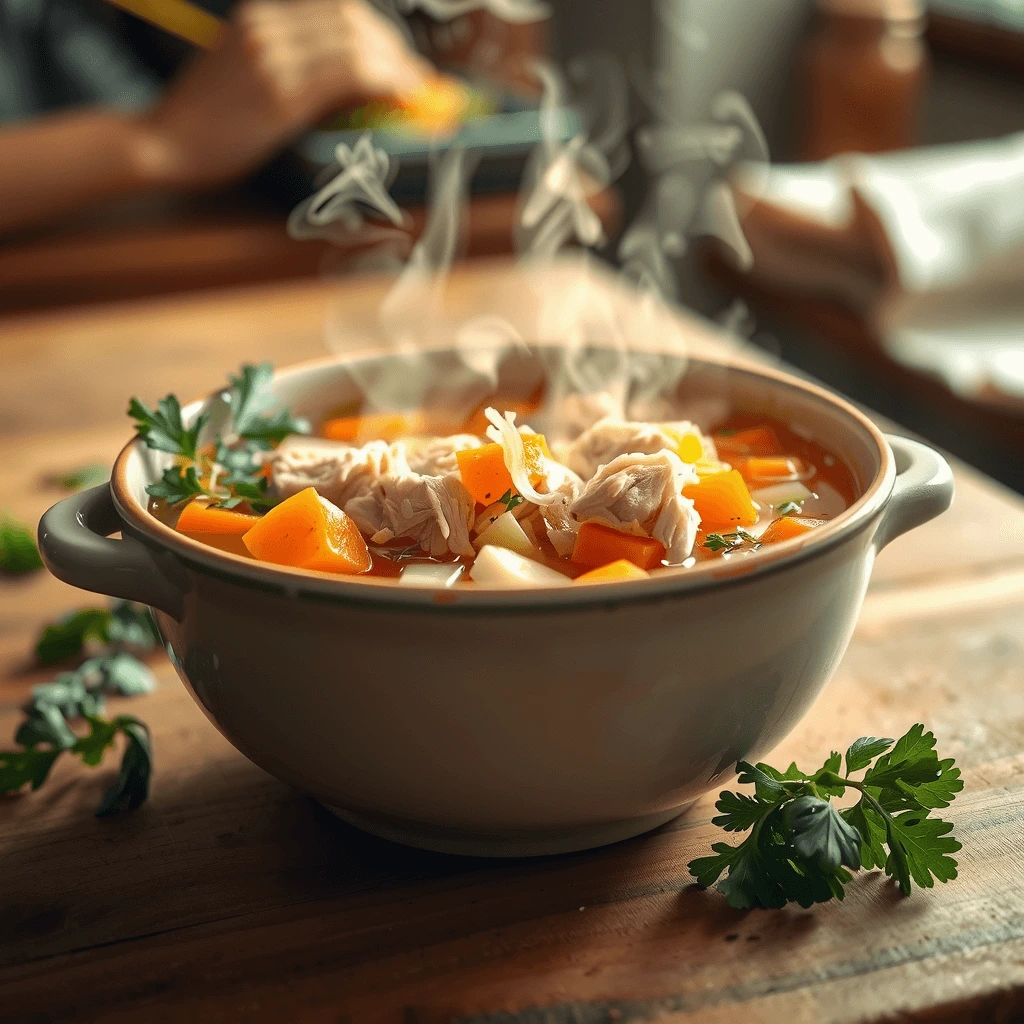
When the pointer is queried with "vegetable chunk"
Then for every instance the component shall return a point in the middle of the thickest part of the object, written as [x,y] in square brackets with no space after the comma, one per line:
[201,517]
[722,499]
[614,572]
[484,472]
[787,528]
[598,545]
[379,426]
[308,532]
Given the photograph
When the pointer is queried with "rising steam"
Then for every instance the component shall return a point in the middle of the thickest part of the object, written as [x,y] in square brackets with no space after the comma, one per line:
[688,165]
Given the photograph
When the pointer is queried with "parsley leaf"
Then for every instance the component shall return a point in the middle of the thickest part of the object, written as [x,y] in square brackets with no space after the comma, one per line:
[18,551]
[19,768]
[65,638]
[45,732]
[248,396]
[131,788]
[787,508]
[731,541]
[177,485]
[800,845]
[80,478]
[510,500]
[164,430]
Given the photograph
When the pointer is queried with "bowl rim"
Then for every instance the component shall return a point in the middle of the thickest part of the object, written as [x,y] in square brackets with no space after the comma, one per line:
[669,582]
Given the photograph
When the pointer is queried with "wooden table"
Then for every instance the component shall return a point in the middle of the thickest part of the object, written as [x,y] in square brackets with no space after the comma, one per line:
[230,897]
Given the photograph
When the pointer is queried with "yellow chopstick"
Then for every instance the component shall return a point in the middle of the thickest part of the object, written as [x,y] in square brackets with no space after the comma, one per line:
[179,17]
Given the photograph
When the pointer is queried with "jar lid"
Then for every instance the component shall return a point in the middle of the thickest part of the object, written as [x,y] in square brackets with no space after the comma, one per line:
[887,10]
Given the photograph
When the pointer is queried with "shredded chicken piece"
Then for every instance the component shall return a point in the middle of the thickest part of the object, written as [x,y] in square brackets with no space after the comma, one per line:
[438,456]
[641,494]
[434,511]
[609,438]
[339,471]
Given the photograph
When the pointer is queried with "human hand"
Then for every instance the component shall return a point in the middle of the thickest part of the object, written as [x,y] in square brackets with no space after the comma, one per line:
[277,68]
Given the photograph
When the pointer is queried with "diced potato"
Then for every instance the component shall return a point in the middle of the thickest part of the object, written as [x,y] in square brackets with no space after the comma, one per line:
[505,532]
[499,567]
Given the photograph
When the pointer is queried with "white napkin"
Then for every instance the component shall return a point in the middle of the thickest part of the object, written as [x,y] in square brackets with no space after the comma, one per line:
[928,244]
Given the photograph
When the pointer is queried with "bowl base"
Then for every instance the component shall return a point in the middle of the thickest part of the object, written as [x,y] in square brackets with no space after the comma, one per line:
[503,842]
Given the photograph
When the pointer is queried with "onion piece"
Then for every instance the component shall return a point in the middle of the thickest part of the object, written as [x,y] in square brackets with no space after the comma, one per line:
[504,432]
[499,567]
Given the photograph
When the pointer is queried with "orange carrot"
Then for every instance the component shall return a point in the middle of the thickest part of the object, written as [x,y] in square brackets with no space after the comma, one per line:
[598,545]
[484,472]
[198,517]
[787,528]
[722,499]
[308,532]
[382,426]
[770,467]
[614,572]
[755,441]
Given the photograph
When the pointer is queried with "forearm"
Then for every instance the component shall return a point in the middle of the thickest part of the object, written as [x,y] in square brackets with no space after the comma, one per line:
[59,164]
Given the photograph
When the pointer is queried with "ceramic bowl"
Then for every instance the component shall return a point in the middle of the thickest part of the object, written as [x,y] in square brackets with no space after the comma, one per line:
[509,723]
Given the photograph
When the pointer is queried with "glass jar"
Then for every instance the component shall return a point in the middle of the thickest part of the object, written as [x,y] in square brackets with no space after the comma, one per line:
[864,73]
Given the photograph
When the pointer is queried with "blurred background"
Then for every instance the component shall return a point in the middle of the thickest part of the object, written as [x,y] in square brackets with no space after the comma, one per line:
[884,243]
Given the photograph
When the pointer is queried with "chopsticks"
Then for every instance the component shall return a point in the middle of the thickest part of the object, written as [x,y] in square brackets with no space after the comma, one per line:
[179,17]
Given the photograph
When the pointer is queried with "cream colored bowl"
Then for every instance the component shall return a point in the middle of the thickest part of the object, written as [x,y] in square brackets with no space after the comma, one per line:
[509,723]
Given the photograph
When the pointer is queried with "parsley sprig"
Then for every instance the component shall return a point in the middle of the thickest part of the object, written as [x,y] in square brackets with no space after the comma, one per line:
[18,551]
[729,542]
[46,731]
[802,849]
[227,468]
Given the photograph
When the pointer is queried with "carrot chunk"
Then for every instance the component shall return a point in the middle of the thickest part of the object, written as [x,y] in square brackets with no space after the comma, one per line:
[770,467]
[722,499]
[379,426]
[755,441]
[484,472]
[308,532]
[614,572]
[787,528]
[598,545]
[199,517]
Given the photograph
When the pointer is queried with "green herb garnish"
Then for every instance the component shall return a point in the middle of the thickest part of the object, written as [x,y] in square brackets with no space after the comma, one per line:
[81,478]
[788,508]
[227,469]
[510,500]
[731,541]
[46,733]
[18,551]
[163,429]
[800,846]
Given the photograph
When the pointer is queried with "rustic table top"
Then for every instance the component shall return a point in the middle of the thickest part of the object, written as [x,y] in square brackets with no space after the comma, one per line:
[229,896]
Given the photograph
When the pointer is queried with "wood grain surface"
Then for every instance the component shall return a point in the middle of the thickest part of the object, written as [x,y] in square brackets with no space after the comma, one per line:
[230,897]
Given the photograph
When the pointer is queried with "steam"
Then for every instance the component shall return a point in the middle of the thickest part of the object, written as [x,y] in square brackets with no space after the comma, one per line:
[562,177]
[357,181]
[564,301]
[512,11]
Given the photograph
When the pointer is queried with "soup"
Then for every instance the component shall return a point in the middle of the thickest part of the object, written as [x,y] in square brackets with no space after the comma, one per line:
[490,502]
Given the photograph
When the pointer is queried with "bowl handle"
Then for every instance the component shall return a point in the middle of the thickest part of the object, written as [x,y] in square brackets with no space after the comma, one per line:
[74,543]
[923,489]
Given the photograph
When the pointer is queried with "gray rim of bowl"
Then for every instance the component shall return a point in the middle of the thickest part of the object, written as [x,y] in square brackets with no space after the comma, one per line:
[668,582]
